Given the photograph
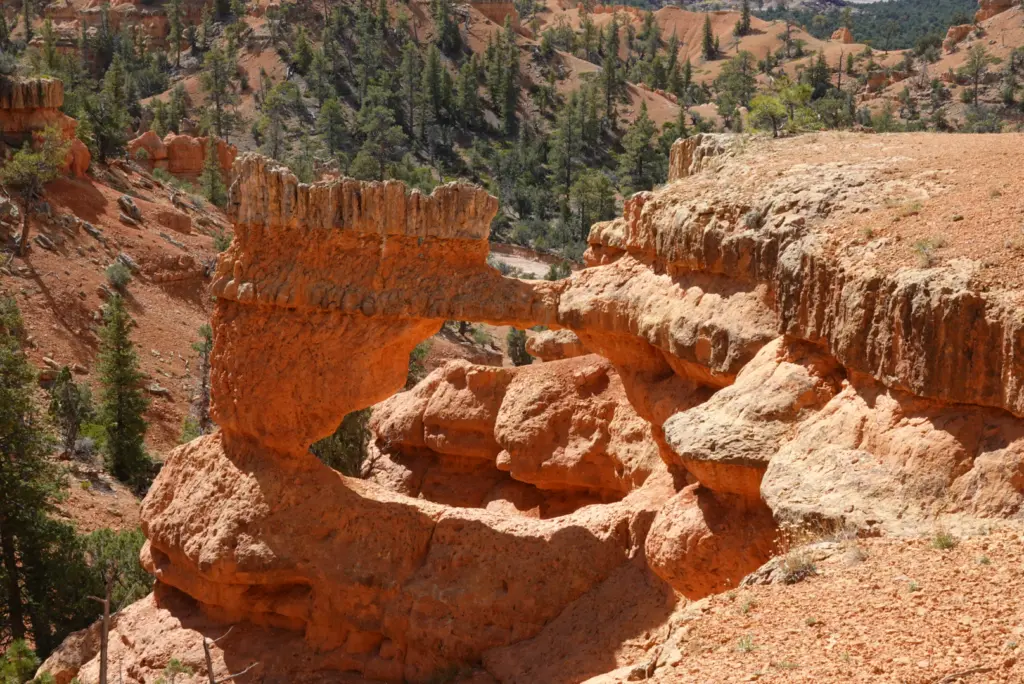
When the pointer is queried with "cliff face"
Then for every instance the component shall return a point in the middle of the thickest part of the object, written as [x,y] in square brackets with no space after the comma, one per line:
[755,353]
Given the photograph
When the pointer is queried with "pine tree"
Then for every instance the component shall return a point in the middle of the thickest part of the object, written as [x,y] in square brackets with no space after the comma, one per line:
[5,32]
[636,159]
[176,29]
[201,401]
[123,404]
[26,15]
[211,179]
[331,125]
[217,77]
[432,84]
[69,406]
[743,23]
[708,40]
[467,99]
[566,148]
[43,576]
[447,36]
[510,86]
[29,170]
[410,81]
[516,339]
[610,80]
[593,199]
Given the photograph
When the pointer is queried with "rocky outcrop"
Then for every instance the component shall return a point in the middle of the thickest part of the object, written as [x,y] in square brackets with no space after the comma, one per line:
[561,426]
[181,155]
[553,345]
[780,364]
[28,107]
[955,35]
[842,35]
[990,8]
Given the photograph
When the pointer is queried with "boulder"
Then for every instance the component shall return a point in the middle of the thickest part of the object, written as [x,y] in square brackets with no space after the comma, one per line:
[955,34]
[553,345]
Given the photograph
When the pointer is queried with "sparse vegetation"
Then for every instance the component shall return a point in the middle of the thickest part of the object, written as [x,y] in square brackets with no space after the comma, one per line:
[797,565]
[118,275]
[944,541]
[746,644]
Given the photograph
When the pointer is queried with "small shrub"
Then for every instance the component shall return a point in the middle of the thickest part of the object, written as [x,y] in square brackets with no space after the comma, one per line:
[746,644]
[810,622]
[480,337]
[85,484]
[944,540]
[913,586]
[189,430]
[984,560]
[747,605]
[797,566]
[221,240]
[118,275]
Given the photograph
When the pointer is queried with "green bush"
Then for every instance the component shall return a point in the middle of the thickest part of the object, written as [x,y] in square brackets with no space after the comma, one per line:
[119,275]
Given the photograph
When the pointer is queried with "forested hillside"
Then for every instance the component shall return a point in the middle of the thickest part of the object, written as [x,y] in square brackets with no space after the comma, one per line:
[887,25]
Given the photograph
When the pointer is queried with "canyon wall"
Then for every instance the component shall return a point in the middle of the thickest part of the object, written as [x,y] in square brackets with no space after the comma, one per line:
[743,353]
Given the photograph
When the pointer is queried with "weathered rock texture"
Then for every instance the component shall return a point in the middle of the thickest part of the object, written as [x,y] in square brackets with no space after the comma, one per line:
[782,362]
[28,107]
[181,155]
[563,427]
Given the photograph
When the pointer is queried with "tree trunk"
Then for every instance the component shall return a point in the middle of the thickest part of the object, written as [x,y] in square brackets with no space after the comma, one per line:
[10,560]
[105,633]
[23,247]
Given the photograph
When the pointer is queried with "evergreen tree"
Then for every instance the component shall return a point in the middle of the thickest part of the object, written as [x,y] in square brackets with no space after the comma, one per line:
[510,86]
[410,81]
[593,199]
[447,37]
[42,571]
[29,170]
[467,99]
[708,40]
[566,148]
[302,53]
[516,339]
[176,29]
[610,79]
[211,179]
[69,407]
[743,23]
[331,125]
[636,162]
[5,33]
[216,78]
[347,449]
[123,404]
[26,15]
[432,84]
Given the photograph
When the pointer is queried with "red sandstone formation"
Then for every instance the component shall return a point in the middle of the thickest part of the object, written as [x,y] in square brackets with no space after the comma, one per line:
[955,35]
[552,345]
[842,35]
[181,155]
[990,8]
[781,365]
[29,107]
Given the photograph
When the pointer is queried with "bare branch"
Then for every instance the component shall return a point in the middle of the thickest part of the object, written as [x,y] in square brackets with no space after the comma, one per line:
[239,674]
[222,636]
